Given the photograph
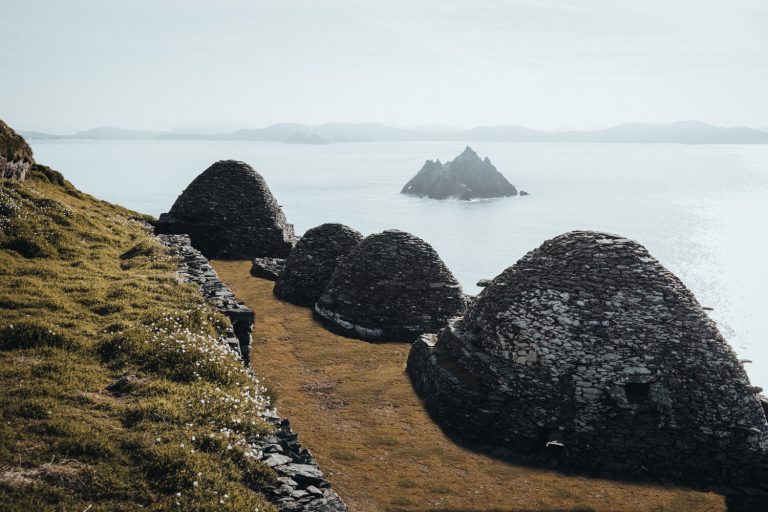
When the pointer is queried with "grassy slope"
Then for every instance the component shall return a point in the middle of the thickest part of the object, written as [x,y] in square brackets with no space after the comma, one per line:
[75,316]
[353,405]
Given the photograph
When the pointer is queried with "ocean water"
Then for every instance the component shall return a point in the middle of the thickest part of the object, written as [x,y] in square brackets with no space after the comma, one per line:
[701,210]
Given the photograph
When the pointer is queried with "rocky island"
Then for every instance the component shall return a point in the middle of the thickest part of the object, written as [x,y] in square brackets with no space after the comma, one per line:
[465,177]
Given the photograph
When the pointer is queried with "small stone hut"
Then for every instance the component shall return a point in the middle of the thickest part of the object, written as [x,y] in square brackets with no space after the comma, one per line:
[589,348]
[312,262]
[393,286]
[15,154]
[229,212]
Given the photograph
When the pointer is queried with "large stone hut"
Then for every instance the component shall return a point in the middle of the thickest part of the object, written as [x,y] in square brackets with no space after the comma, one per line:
[312,262]
[589,348]
[392,286]
[15,154]
[229,212]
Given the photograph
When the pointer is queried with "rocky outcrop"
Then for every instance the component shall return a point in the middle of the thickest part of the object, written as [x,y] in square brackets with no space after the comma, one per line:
[465,177]
[267,268]
[313,261]
[300,485]
[15,154]
[229,212]
[392,286]
[589,349]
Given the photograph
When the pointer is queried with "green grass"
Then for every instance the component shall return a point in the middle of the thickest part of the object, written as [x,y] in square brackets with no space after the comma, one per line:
[117,393]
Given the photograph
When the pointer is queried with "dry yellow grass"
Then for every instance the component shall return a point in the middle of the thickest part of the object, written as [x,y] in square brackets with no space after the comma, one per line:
[353,406]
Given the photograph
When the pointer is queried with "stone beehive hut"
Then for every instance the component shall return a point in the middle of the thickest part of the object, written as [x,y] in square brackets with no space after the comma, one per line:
[312,262]
[590,346]
[15,154]
[392,286]
[229,212]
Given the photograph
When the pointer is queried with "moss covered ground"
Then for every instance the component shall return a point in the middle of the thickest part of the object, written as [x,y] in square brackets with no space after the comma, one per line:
[353,405]
[115,391]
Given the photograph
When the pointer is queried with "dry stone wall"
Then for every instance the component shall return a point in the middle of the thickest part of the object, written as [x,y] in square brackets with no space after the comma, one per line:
[588,346]
[391,286]
[195,268]
[301,486]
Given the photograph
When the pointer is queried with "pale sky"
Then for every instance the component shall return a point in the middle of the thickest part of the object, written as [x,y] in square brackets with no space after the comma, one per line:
[548,64]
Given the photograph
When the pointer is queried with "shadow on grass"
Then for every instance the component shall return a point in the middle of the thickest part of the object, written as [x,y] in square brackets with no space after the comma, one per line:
[738,497]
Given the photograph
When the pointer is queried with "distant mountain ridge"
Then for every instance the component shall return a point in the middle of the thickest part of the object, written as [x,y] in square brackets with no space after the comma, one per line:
[682,132]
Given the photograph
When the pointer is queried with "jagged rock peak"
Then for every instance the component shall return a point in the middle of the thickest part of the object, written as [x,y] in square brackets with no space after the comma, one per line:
[229,212]
[392,286]
[465,177]
[313,261]
[468,154]
[15,154]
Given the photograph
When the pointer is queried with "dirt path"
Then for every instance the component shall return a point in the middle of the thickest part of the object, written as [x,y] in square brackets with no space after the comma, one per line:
[353,406]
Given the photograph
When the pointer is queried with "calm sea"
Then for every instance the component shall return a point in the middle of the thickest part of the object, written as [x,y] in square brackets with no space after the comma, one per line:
[701,210]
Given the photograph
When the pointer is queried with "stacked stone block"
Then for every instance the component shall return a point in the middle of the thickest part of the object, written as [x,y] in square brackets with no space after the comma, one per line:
[229,212]
[392,286]
[313,261]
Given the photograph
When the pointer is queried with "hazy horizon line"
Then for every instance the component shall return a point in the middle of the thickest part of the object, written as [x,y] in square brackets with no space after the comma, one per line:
[186,128]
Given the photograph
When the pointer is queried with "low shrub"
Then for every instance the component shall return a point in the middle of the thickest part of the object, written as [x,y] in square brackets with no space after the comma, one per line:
[31,334]
[144,248]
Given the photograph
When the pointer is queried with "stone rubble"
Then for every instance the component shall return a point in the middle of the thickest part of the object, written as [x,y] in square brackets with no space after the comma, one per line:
[310,265]
[590,351]
[229,212]
[392,286]
[302,487]
[267,268]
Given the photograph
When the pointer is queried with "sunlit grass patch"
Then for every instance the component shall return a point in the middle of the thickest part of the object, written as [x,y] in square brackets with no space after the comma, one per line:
[117,389]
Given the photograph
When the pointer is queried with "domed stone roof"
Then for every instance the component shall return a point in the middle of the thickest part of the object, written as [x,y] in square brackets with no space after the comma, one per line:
[392,286]
[589,344]
[15,154]
[229,212]
[312,262]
